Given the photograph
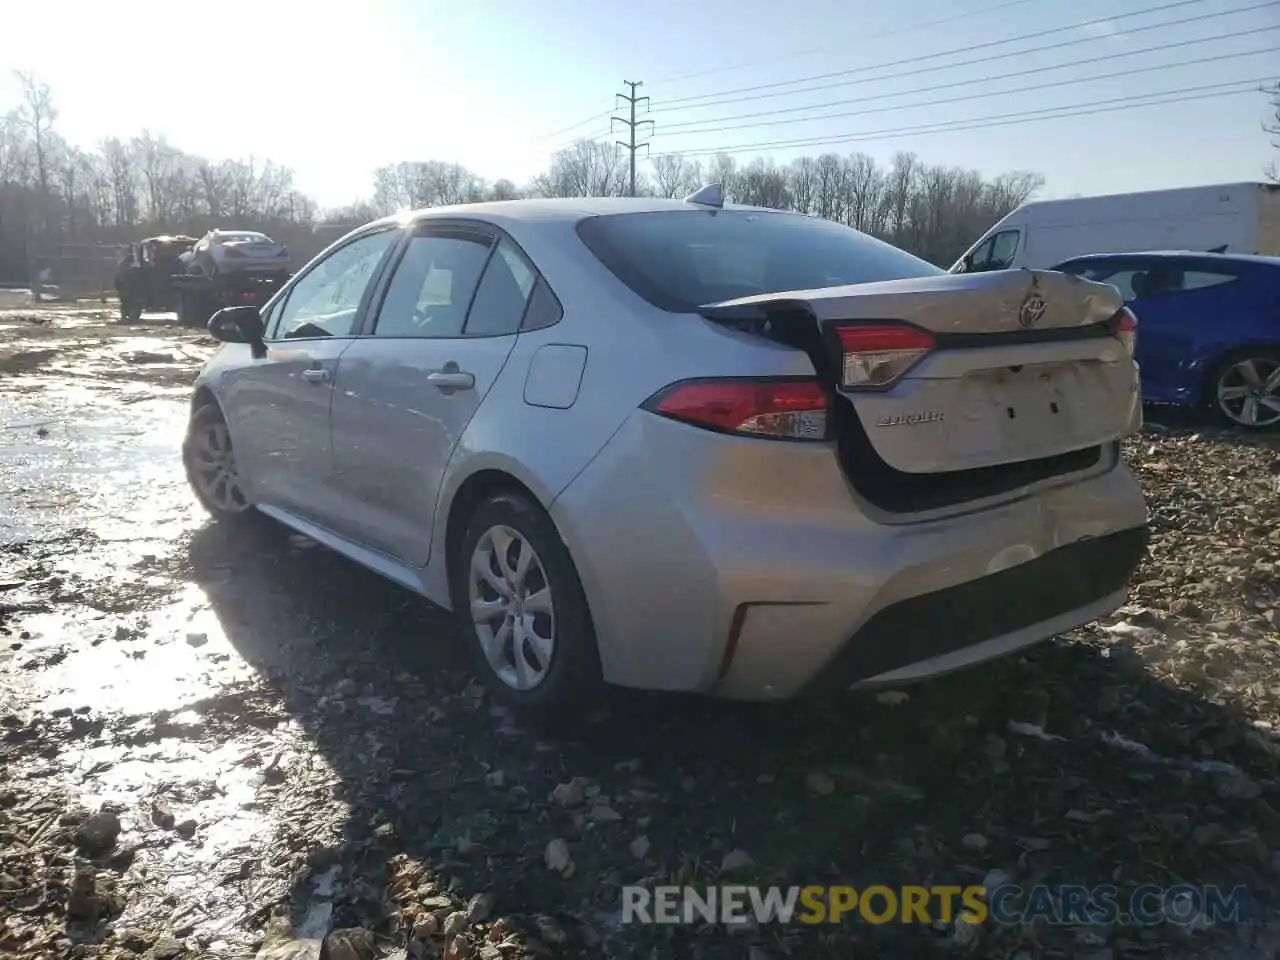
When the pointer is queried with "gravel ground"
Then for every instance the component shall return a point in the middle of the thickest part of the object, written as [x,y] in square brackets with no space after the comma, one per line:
[218,747]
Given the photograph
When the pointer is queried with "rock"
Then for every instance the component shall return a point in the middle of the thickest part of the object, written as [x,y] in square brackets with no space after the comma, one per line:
[639,847]
[570,794]
[820,784]
[162,814]
[1236,788]
[354,943]
[83,901]
[167,948]
[346,687]
[480,907]
[494,779]
[426,927]
[736,860]
[98,833]
[455,923]
[974,842]
[603,813]
[557,857]
[186,829]
[197,639]
[132,938]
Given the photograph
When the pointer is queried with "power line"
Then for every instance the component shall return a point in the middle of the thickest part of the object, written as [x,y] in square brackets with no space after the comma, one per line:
[974,96]
[978,123]
[756,62]
[630,144]
[675,103]
[574,126]
[1108,58]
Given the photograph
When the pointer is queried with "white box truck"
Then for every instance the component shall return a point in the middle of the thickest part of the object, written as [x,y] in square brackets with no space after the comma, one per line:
[1222,218]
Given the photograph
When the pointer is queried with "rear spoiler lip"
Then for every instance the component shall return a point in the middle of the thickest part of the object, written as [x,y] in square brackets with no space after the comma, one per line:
[746,316]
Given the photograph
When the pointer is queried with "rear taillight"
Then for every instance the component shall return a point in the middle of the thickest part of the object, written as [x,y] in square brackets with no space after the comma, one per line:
[876,355]
[1124,326]
[781,409]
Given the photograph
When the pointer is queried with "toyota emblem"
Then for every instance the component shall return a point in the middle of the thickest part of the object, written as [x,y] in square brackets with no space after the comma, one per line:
[1032,311]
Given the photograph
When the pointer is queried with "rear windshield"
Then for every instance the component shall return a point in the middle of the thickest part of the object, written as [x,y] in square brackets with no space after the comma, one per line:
[679,260]
[245,237]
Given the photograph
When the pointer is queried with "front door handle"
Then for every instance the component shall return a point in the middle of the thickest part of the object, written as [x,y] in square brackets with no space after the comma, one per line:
[316,375]
[452,379]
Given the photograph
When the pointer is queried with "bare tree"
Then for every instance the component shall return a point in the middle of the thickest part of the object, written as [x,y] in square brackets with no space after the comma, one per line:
[675,176]
[586,168]
[37,114]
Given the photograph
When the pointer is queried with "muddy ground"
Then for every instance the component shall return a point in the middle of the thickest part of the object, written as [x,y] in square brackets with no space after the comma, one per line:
[232,747]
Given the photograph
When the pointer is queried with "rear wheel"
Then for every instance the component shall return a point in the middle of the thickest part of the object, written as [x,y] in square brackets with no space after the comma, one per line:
[518,595]
[210,462]
[1245,389]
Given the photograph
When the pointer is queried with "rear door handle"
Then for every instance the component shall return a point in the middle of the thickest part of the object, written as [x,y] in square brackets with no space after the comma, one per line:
[452,380]
[316,375]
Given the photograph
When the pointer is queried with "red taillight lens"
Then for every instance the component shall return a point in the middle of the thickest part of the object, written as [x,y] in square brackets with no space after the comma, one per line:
[783,409]
[1124,326]
[876,355]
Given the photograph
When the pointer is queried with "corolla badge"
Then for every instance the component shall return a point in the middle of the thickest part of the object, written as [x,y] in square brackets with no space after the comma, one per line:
[911,419]
[1032,310]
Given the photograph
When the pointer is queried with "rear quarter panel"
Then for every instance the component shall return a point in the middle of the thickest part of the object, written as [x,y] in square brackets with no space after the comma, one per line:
[633,350]
[1223,320]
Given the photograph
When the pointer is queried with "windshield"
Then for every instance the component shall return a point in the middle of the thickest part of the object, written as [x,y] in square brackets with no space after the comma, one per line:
[244,238]
[679,260]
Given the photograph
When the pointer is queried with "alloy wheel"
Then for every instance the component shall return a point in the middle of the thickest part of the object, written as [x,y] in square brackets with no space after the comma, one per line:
[213,464]
[1249,392]
[512,607]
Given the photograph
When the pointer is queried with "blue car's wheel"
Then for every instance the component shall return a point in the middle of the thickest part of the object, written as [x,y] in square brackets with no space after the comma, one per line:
[1245,389]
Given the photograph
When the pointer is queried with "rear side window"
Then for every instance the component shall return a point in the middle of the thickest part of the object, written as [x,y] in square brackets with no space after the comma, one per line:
[1198,279]
[679,260]
[503,294]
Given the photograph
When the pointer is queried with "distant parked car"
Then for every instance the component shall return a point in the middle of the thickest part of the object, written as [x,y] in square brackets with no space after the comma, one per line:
[1210,328]
[686,446]
[224,251]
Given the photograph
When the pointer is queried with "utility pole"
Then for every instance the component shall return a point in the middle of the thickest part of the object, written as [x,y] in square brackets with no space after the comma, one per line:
[630,144]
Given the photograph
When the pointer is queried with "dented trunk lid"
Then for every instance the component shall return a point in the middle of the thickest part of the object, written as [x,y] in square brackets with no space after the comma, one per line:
[1025,365]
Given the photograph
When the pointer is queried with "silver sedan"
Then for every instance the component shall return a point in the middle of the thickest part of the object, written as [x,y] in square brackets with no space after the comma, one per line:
[687,446]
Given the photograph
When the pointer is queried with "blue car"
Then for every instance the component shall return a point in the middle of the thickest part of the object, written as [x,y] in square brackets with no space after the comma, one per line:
[1208,328]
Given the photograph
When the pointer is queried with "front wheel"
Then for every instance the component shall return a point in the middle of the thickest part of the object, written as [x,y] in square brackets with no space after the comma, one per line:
[211,468]
[517,593]
[1245,389]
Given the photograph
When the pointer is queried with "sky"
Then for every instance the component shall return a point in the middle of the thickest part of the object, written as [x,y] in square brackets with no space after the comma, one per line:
[334,90]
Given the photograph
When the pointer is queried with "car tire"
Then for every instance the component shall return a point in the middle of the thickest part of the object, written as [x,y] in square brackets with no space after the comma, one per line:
[208,457]
[552,680]
[1256,372]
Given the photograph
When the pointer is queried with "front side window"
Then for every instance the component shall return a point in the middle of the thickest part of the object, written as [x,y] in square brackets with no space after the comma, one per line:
[681,260]
[432,286]
[1003,250]
[325,300]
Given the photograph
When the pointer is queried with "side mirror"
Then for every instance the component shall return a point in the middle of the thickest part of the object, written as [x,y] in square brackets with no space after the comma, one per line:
[237,325]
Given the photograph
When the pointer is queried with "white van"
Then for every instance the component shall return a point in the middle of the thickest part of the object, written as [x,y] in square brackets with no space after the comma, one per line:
[1222,218]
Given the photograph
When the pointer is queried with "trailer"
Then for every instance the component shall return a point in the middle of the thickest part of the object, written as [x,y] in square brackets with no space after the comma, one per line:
[201,296]
[1219,218]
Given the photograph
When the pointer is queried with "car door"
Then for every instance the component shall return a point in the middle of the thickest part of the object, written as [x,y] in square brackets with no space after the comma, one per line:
[278,405]
[446,321]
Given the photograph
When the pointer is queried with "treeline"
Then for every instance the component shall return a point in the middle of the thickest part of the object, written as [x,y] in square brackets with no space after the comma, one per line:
[58,200]
[934,211]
